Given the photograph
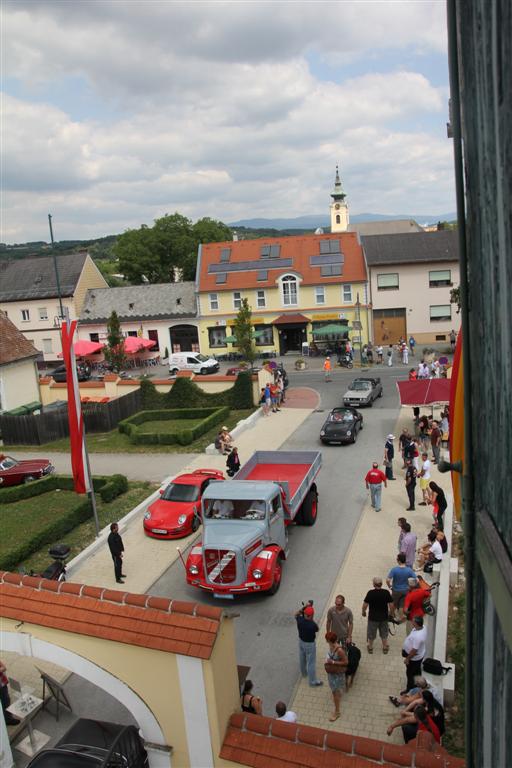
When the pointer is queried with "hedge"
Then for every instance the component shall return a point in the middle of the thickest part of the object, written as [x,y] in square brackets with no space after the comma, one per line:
[238,397]
[109,488]
[133,425]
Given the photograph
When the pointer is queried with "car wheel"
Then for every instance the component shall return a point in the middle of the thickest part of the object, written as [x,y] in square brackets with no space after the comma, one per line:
[308,513]
[370,404]
[195,523]
[174,372]
[278,573]
[354,437]
[381,393]
[361,424]
[29,479]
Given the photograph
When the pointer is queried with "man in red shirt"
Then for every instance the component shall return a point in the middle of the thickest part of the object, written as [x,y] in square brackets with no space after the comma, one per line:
[413,603]
[374,479]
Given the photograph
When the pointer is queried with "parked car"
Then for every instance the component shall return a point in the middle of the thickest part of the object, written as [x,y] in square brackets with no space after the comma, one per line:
[342,426]
[60,374]
[14,472]
[177,513]
[192,361]
[363,391]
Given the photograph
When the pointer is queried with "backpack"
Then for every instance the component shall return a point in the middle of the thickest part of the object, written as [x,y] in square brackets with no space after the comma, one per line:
[434,667]
[428,568]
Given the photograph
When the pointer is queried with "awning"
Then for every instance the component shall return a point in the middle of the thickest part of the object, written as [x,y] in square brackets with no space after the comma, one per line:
[296,319]
[330,329]
[254,335]
[424,392]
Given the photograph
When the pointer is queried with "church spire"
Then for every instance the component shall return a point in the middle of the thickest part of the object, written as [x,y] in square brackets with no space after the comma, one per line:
[339,206]
[338,194]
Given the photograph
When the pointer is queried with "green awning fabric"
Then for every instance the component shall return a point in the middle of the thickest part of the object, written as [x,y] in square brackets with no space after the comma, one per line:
[254,335]
[332,328]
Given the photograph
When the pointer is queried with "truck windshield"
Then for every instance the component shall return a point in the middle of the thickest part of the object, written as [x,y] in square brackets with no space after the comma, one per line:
[359,386]
[225,509]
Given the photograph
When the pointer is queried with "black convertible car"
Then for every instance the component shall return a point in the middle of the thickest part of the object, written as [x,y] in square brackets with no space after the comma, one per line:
[342,426]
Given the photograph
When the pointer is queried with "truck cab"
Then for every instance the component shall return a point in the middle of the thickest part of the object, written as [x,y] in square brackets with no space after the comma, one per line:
[244,538]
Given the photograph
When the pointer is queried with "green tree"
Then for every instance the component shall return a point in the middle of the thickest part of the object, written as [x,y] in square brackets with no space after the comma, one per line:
[455,297]
[114,351]
[243,332]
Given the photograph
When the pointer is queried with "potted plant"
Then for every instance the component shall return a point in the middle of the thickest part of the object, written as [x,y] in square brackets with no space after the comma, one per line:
[428,354]
[300,364]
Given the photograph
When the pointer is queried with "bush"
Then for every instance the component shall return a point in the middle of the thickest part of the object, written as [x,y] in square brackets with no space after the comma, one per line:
[186,391]
[114,487]
[133,426]
[150,397]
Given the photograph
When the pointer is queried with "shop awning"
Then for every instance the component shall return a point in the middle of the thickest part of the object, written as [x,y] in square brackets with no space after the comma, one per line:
[296,319]
[254,335]
[331,329]
[424,392]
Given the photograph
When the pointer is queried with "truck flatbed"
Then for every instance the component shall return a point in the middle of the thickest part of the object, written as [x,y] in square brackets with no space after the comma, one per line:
[293,474]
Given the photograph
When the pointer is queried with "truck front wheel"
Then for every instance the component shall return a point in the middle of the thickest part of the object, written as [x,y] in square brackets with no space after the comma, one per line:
[278,572]
[309,509]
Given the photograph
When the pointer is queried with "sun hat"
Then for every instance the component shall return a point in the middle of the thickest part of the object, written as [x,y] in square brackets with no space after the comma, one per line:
[391,437]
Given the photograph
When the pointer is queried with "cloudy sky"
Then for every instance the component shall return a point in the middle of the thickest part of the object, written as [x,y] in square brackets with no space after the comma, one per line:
[116,112]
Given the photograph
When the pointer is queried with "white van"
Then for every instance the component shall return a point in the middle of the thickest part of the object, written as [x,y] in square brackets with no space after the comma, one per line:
[192,361]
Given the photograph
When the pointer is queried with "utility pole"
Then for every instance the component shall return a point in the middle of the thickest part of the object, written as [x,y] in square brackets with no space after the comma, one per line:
[56,268]
[360,328]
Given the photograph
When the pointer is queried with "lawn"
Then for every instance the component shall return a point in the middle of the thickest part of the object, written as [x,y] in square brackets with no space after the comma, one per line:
[115,442]
[170,425]
[33,514]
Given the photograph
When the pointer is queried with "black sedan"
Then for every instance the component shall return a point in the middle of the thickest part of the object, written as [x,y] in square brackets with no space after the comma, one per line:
[342,426]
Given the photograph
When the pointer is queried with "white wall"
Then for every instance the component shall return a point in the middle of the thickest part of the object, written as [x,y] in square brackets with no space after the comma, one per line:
[36,329]
[19,384]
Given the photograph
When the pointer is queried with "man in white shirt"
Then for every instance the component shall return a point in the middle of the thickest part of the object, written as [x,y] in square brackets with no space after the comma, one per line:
[285,714]
[223,508]
[413,650]
[425,479]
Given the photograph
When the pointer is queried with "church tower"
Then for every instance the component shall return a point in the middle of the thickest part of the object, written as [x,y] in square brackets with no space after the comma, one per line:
[339,207]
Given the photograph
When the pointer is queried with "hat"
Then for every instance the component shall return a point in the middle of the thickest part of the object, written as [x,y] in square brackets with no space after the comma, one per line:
[391,437]
[418,620]
[309,611]
[225,429]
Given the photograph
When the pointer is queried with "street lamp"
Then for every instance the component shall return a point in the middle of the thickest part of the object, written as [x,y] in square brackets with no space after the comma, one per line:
[360,329]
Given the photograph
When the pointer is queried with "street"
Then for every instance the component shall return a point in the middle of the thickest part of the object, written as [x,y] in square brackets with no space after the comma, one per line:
[266,636]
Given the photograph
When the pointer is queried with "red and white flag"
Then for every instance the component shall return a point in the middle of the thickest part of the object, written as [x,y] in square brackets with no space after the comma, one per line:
[75,416]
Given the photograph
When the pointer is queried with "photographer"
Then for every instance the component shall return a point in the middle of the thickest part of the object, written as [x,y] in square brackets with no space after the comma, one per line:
[307,629]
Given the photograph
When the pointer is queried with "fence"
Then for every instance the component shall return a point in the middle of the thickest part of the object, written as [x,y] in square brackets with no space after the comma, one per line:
[37,429]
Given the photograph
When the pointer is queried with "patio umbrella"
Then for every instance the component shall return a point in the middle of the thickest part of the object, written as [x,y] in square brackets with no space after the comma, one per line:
[82,347]
[254,335]
[133,344]
[331,329]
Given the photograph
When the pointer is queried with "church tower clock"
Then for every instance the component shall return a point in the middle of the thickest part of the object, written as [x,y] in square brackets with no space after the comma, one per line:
[339,207]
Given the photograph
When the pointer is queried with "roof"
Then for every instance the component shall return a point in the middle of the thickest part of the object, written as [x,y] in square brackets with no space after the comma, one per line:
[424,392]
[13,344]
[294,318]
[188,629]
[412,248]
[34,278]
[386,227]
[260,741]
[140,302]
[252,264]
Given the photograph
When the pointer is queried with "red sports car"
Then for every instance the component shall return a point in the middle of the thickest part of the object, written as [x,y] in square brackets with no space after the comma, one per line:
[14,472]
[177,513]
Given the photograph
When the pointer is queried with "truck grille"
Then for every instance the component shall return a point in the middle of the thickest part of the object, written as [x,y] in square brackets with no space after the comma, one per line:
[220,565]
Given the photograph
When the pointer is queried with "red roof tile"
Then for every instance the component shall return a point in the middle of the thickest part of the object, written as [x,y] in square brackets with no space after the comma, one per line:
[254,740]
[173,626]
[13,346]
[298,249]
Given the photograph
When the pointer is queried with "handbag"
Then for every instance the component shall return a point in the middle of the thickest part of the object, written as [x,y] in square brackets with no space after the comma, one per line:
[434,667]
[335,669]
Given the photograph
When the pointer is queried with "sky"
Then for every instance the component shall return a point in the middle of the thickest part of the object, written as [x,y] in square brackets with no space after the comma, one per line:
[116,112]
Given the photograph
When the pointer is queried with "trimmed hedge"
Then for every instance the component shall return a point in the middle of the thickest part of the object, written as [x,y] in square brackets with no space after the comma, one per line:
[238,397]
[109,488]
[133,426]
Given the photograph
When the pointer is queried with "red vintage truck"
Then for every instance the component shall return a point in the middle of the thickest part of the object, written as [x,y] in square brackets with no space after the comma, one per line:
[245,540]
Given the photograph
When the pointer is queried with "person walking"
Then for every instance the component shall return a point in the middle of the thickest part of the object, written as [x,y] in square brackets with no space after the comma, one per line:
[410,484]
[412,344]
[374,479]
[379,604]
[389,455]
[340,620]
[116,546]
[390,355]
[336,663]
[327,369]
[425,480]
[408,544]
[413,650]
[405,354]
[380,354]
[307,629]
[5,697]
[397,581]
[453,339]
[233,462]
[435,441]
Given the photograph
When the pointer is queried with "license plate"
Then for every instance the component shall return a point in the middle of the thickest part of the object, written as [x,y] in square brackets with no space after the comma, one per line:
[161,531]
[227,596]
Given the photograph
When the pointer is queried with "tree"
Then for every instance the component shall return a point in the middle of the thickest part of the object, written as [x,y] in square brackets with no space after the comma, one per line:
[114,351]
[243,332]
[455,297]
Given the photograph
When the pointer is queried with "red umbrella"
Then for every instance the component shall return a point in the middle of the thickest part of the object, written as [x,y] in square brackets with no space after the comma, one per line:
[133,344]
[84,347]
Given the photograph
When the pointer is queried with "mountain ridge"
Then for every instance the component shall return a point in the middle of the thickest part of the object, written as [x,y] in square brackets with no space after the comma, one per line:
[312,221]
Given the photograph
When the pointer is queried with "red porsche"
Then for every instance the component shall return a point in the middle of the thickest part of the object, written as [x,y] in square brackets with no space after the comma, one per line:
[14,472]
[177,513]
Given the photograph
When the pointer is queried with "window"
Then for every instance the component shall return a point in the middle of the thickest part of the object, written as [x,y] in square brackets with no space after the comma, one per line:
[43,313]
[262,275]
[338,219]
[329,270]
[265,252]
[320,294]
[214,301]
[347,293]
[225,254]
[221,278]
[261,300]
[153,336]
[237,299]
[25,315]
[132,333]
[289,290]
[330,246]
[217,337]
[94,337]
[270,251]
[439,277]
[47,345]
[440,312]
[265,335]
[387,281]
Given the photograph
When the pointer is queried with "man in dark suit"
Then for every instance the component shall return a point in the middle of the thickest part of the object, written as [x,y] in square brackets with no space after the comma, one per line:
[115,544]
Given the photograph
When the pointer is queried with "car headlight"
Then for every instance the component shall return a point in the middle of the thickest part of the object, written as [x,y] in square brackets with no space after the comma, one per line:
[147,515]
[322,433]
[193,569]
[182,519]
[349,433]
[257,573]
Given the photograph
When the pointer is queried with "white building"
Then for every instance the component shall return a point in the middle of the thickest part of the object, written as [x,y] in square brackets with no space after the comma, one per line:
[19,381]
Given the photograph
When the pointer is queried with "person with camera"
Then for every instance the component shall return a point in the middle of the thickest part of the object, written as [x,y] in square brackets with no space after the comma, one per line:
[307,629]
[335,665]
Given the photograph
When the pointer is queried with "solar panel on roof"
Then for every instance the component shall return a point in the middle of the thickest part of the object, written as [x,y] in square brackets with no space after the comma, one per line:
[225,254]
[265,252]
[262,275]
[329,270]
[324,246]
[275,251]
[221,278]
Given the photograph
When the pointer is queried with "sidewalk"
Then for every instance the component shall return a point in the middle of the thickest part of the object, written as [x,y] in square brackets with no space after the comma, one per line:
[365,709]
[147,559]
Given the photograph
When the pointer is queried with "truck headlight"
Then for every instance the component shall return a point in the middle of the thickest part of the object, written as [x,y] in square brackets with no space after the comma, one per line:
[182,519]
[147,515]
[193,569]
[257,573]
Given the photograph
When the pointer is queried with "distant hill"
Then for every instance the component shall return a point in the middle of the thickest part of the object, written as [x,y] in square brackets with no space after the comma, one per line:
[312,221]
